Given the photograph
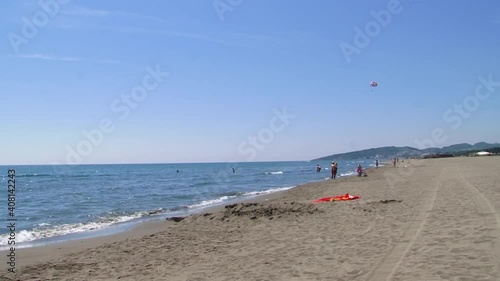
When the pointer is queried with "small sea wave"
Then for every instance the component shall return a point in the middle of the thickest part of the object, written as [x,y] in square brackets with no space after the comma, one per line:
[43,230]
[348,174]
[229,194]
[207,203]
[33,175]
[274,173]
[179,208]
[222,199]
[269,191]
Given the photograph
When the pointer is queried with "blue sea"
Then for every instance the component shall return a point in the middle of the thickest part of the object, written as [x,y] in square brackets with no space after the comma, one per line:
[57,203]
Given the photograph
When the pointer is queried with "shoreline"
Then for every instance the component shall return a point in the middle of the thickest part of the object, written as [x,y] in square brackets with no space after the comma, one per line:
[126,226]
[60,247]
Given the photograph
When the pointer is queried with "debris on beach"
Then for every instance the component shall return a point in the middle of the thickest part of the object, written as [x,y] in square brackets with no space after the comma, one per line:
[386,201]
[155,212]
[375,206]
[390,201]
[175,219]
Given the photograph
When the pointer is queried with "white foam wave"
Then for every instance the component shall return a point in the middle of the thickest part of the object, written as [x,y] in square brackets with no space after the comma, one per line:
[207,203]
[274,173]
[41,231]
[222,199]
[269,191]
[347,174]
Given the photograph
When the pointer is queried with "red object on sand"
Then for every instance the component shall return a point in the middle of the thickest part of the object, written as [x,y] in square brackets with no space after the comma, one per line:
[346,197]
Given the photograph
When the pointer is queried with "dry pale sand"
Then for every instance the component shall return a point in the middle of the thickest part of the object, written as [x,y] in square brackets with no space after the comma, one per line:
[429,220]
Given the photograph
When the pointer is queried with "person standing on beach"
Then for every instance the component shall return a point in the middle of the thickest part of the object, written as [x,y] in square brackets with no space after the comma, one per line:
[376,163]
[394,162]
[334,170]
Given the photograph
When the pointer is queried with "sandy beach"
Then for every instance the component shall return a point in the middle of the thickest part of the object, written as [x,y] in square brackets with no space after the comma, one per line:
[435,219]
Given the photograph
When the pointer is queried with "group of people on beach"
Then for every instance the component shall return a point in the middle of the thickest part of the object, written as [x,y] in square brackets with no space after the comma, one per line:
[359,170]
[396,159]
[335,166]
[334,169]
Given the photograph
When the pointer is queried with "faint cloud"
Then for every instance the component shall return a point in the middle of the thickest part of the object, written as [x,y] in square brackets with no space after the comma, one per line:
[179,34]
[48,57]
[105,61]
[169,33]
[86,12]
[231,39]
[66,58]
[259,37]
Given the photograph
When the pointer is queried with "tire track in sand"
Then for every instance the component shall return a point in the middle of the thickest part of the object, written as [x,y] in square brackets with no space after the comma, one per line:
[492,218]
[388,265]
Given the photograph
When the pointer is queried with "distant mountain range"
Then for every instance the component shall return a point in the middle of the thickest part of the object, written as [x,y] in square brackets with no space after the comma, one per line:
[387,152]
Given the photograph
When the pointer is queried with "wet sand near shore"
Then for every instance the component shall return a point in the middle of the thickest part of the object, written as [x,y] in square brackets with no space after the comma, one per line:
[435,219]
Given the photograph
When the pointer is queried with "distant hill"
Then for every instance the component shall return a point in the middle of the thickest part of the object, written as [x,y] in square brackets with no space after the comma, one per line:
[466,147]
[387,152]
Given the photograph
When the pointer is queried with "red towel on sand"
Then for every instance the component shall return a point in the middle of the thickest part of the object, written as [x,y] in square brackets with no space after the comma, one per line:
[345,197]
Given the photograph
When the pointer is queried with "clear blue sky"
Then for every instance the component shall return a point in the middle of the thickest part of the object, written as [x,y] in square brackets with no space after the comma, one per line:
[228,71]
